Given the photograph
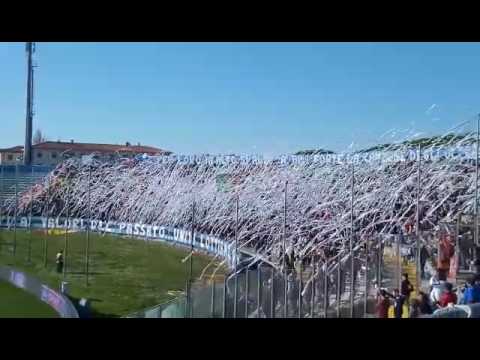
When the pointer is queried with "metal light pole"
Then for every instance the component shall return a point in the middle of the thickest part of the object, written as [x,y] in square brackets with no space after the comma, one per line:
[285,310]
[476,181]
[417,220]
[235,291]
[27,156]
[352,263]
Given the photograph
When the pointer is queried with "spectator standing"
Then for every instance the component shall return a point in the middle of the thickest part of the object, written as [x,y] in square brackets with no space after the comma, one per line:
[436,288]
[406,288]
[59,262]
[382,305]
[398,301]
[472,292]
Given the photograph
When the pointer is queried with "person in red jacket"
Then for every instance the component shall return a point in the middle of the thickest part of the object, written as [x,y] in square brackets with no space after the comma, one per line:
[448,296]
[383,303]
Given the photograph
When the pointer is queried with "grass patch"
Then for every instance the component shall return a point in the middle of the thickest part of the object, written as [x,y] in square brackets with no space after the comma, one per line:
[17,303]
[126,275]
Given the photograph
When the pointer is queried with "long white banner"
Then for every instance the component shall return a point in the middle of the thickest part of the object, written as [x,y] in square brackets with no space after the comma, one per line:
[427,154]
[208,243]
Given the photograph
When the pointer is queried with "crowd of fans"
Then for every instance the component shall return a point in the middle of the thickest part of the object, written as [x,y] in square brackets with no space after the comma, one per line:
[441,294]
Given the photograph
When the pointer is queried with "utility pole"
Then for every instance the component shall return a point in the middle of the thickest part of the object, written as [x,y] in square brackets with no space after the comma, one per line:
[27,152]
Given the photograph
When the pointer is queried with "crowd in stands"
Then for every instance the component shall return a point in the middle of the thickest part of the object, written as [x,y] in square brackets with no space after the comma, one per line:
[441,295]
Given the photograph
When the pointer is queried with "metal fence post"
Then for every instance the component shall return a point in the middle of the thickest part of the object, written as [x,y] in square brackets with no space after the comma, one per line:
[285,308]
[190,275]
[312,297]
[30,215]
[417,222]
[224,307]
[399,264]
[272,294]
[2,203]
[212,306]
[45,239]
[247,290]
[65,250]
[339,281]
[259,288]
[476,182]
[300,289]
[325,290]
[235,290]
[352,257]
[15,214]
[87,245]
[367,253]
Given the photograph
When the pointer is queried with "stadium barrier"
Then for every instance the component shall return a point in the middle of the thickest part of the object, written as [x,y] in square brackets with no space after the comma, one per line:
[183,237]
[59,302]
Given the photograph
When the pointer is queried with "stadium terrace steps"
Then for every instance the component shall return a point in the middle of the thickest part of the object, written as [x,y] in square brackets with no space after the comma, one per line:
[392,282]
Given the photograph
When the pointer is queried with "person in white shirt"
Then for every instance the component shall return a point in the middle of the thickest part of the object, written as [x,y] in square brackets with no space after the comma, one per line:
[437,287]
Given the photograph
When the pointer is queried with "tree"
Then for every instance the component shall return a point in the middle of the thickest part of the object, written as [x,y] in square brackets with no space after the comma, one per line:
[314,152]
[38,137]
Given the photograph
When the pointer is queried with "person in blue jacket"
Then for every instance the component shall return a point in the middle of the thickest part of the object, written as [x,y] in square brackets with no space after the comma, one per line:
[472,293]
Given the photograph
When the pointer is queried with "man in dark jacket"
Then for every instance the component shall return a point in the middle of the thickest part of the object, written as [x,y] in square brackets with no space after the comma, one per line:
[407,288]
[398,301]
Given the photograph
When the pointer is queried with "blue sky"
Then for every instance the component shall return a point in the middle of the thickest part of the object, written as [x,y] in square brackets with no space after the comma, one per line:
[269,98]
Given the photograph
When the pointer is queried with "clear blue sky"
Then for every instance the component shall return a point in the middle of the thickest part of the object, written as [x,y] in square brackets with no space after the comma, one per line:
[266,98]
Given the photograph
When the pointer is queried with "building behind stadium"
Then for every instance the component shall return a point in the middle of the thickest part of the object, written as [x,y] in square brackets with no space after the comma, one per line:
[53,152]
